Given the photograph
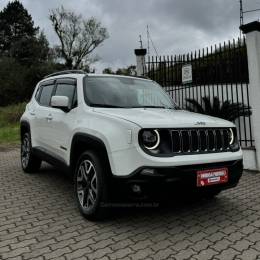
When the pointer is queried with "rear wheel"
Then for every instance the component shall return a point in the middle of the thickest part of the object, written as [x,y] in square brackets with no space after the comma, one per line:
[90,186]
[29,162]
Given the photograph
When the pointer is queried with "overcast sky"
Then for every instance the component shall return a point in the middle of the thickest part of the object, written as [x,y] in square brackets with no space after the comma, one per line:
[176,26]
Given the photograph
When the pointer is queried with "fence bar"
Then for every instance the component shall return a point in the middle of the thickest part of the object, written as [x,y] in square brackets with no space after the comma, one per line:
[219,71]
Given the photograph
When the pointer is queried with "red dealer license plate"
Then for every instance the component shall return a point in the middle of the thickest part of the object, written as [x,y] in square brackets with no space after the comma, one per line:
[212,176]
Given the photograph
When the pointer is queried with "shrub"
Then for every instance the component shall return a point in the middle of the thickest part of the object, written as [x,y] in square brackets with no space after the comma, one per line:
[17,82]
[11,115]
[225,110]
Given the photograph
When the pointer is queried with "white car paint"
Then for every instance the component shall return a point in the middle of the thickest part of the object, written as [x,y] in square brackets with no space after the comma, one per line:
[118,129]
[160,118]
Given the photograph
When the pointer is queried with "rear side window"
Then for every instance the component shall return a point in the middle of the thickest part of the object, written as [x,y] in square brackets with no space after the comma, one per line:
[75,99]
[45,96]
[67,90]
[37,95]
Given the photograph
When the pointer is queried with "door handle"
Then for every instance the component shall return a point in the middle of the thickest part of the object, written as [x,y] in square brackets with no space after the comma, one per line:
[49,117]
[32,112]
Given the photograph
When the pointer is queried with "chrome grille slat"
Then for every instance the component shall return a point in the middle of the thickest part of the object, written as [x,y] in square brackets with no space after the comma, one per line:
[199,143]
[222,140]
[215,140]
[211,135]
[181,142]
[203,140]
[176,146]
[207,140]
[190,141]
[199,140]
[185,141]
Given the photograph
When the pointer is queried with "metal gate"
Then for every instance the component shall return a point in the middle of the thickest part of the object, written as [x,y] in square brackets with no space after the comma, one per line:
[219,71]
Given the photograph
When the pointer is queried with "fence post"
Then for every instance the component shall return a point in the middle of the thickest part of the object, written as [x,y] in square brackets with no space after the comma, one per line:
[252,31]
[140,61]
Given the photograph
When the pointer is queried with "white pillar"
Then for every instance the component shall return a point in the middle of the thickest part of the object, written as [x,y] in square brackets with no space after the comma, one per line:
[140,61]
[252,31]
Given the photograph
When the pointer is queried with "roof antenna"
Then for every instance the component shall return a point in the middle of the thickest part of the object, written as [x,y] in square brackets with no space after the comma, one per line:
[141,42]
[148,41]
[241,15]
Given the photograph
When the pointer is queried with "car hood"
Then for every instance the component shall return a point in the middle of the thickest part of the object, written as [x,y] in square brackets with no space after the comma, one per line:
[156,118]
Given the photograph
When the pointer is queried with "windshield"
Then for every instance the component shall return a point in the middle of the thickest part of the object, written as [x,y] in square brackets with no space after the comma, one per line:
[124,92]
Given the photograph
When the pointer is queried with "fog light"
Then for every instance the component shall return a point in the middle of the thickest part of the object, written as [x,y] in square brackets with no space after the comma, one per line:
[136,188]
[148,171]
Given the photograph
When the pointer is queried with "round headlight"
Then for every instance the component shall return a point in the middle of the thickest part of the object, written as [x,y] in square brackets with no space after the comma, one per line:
[151,139]
[231,136]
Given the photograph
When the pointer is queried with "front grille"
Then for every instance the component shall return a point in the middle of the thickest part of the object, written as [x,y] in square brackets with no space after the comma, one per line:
[200,140]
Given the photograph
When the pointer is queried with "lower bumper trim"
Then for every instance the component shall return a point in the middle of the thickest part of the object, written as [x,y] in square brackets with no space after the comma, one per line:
[182,178]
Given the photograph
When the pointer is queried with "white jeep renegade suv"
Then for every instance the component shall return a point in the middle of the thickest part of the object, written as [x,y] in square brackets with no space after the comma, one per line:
[117,133]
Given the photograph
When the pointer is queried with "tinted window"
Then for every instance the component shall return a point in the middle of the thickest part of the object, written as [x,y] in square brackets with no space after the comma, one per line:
[37,95]
[45,96]
[125,92]
[75,99]
[66,90]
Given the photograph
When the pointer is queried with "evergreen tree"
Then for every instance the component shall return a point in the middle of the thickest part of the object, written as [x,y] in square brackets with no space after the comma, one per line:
[16,24]
[30,51]
[25,56]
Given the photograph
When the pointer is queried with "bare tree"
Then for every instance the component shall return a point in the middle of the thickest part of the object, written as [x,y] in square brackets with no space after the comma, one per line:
[78,37]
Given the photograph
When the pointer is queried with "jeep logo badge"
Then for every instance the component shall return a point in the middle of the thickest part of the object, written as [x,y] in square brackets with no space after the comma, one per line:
[200,123]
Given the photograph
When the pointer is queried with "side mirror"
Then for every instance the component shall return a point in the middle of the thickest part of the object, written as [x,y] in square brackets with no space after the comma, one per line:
[61,102]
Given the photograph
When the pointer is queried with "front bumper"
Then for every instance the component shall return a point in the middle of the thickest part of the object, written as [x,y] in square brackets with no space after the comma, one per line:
[124,162]
[179,178]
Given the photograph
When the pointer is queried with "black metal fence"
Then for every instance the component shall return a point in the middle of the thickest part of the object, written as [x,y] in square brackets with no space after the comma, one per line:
[219,71]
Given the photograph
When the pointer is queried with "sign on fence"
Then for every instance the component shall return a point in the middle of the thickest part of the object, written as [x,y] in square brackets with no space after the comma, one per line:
[186,73]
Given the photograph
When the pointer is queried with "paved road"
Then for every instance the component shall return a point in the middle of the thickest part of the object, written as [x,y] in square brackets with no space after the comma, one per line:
[39,220]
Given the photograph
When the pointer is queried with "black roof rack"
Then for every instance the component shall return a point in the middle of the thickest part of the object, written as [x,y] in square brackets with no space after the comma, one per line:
[142,77]
[65,72]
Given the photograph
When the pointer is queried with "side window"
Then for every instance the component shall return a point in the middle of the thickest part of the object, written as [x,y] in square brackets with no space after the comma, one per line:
[37,95]
[75,99]
[66,90]
[45,96]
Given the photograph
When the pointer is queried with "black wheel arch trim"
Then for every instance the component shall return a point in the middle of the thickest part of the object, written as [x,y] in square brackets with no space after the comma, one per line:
[84,137]
[24,123]
[51,158]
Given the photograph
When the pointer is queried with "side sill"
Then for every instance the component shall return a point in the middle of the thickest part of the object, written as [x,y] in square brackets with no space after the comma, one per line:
[52,159]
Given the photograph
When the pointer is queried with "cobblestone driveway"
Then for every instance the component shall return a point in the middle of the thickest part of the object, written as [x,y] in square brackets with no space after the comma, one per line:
[39,220]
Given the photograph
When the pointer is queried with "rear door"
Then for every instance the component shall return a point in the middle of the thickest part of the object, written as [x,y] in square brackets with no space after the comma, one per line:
[42,121]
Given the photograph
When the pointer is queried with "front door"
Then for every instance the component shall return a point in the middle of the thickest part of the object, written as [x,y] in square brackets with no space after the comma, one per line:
[62,122]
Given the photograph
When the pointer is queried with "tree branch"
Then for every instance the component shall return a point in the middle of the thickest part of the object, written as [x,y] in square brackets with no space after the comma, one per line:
[78,37]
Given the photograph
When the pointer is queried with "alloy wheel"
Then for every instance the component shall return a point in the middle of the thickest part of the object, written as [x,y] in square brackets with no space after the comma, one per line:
[25,151]
[87,184]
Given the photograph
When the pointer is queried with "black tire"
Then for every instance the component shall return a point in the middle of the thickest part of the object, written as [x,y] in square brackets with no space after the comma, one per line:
[91,192]
[29,162]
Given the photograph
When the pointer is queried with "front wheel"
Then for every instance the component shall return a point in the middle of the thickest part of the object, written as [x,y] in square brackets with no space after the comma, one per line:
[90,186]
[29,162]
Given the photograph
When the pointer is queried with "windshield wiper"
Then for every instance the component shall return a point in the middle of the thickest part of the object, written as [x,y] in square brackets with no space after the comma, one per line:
[151,107]
[114,106]
[105,105]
